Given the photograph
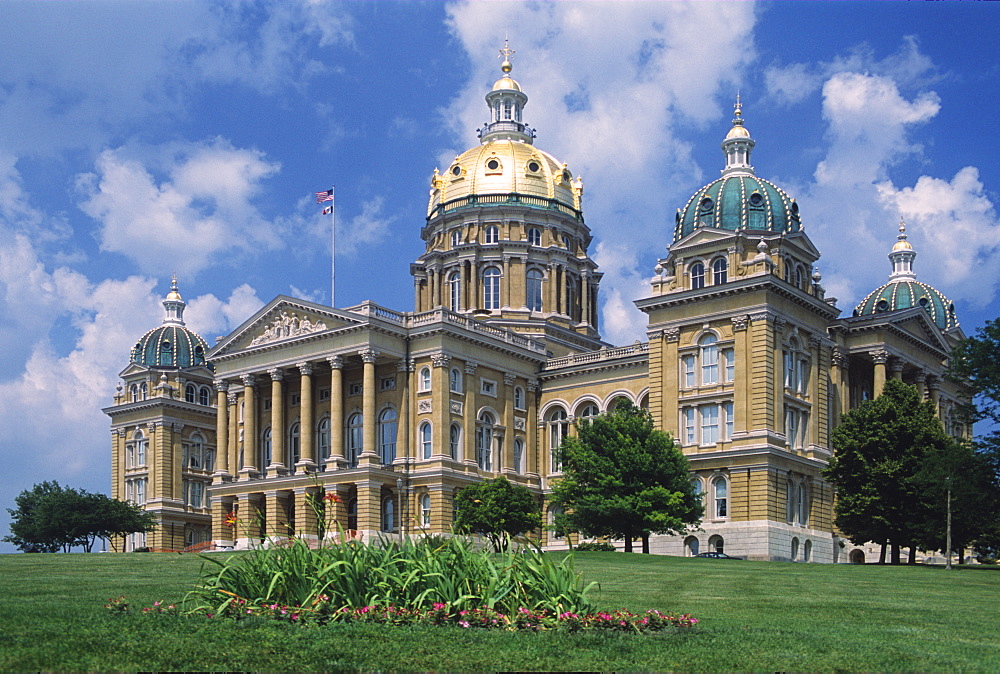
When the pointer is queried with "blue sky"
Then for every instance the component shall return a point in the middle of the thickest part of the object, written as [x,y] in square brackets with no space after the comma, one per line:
[145,138]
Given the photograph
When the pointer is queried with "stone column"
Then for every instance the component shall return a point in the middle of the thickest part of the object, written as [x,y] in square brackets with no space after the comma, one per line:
[369,507]
[221,431]
[275,518]
[277,423]
[223,534]
[249,428]
[880,357]
[403,368]
[417,304]
[896,367]
[507,283]
[306,521]
[337,458]
[235,441]
[550,290]
[839,375]
[469,414]
[934,385]
[441,394]
[369,454]
[532,437]
[585,297]
[670,381]
[814,375]
[920,379]
[306,427]
[248,532]
[778,390]
[507,457]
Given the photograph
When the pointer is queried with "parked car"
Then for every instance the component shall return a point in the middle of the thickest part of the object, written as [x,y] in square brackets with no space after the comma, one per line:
[716,555]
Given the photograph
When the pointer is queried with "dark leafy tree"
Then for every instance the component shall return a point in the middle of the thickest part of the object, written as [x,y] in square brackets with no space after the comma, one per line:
[623,478]
[31,529]
[496,509]
[880,449]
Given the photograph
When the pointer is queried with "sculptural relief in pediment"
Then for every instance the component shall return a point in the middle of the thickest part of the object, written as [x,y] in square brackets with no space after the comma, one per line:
[287,325]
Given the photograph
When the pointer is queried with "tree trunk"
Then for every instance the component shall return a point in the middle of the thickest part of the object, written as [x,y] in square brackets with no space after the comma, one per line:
[645,544]
[961,555]
[894,554]
[881,554]
[628,544]
[912,558]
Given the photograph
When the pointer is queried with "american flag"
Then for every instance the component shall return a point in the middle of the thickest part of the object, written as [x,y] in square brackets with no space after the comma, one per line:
[328,210]
[325,195]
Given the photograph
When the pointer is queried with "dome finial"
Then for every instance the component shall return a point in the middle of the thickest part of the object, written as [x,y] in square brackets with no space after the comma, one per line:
[738,109]
[738,143]
[174,304]
[506,66]
[902,256]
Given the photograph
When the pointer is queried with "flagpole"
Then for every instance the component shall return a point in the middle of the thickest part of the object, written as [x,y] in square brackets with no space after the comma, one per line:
[333,248]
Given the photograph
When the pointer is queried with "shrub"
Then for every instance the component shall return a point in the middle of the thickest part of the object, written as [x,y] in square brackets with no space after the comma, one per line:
[595,546]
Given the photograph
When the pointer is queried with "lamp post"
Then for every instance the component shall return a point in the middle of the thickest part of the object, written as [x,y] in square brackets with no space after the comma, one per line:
[947,535]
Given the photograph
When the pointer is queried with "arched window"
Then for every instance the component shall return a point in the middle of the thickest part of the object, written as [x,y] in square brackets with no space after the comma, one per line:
[195,451]
[204,396]
[691,546]
[387,435]
[455,291]
[455,441]
[533,290]
[534,236]
[807,551]
[456,238]
[697,273]
[587,412]
[484,441]
[558,429]
[518,455]
[508,108]
[352,514]
[803,499]
[294,449]
[720,271]
[717,544]
[799,277]
[425,509]
[492,234]
[143,391]
[388,514]
[134,390]
[455,380]
[709,353]
[518,398]
[721,489]
[355,438]
[572,298]
[141,444]
[190,393]
[795,549]
[424,380]
[323,439]
[265,448]
[791,503]
[425,440]
[491,288]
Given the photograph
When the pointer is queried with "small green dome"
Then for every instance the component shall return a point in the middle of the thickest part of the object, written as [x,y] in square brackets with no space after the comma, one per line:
[909,293]
[739,201]
[170,346]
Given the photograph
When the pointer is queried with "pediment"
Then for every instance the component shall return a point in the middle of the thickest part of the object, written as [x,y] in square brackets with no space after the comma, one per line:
[284,319]
[919,324]
[700,237]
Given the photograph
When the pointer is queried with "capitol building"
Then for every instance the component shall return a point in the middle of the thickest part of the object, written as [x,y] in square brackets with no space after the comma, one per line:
[746,364]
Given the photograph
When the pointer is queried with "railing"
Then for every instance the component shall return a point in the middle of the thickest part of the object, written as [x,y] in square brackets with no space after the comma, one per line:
[638,349]
[514,198]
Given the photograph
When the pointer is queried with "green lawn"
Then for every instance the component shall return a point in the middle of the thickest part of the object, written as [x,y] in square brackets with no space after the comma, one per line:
[754,616]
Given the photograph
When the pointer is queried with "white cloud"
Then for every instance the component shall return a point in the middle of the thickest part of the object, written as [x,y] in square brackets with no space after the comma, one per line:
[211,317]
[607,85]
[954,227]
[202,208]
[367,228]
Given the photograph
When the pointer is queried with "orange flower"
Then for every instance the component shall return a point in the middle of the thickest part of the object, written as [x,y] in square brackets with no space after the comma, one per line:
[231,519]
[331,497]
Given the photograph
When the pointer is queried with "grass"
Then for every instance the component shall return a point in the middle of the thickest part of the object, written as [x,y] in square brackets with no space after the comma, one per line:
[755,616]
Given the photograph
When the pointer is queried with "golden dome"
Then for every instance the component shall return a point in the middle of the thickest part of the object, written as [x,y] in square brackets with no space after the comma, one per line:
[738,132]
[174,295]
[504,166]
[505,83]
[902,245]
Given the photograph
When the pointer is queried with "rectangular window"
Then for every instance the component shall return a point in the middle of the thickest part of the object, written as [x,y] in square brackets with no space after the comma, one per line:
[688,368]
[802,375]
[354,388]
[789,370]
[488,387]
[729,358]
[324,395]
[140,453]
[709,424]
[267,404]
[710,365]
[294,399]
[727,411]
[387,384]
[689,426]
[129,455]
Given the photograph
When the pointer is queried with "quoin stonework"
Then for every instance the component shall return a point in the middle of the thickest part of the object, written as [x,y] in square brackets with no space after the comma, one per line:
[747,364]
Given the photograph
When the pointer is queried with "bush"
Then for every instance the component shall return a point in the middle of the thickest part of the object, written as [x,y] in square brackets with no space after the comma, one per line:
[596,546]
[413,574]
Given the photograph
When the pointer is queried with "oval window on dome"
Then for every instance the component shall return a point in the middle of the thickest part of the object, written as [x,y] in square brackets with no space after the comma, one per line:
[165,346]
[882,305]
[566,176]
[493,164]
[456,170]
[534,166]
[923,301]
[795,208]
[706,204]
[756,199]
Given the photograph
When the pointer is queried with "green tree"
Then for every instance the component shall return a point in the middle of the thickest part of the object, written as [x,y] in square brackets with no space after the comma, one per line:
[496,509]
[880,449]
[622,478]
[50,517]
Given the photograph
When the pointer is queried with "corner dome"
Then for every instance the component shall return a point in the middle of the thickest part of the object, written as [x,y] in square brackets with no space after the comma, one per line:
[739,200]
[172,345]
[904,291]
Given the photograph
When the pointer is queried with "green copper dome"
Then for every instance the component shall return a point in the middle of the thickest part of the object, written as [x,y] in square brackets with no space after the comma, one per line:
[736,202]
[739,200]
[904,291]
[172,344]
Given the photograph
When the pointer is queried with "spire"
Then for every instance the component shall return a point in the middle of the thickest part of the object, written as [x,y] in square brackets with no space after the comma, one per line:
[902,256]
[506,102]
[174,305]
[738,144]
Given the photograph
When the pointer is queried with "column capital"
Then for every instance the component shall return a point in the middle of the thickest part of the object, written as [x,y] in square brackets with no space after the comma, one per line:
[440,359]
[470,366]
[231,398]
[920,377]
[221,385]
[248,379]
[672,334]
[277,374]
[896,365]
[880,356]
[305,368]
[509,379]
[838,357]
[368,355]
[405,365]
[532,385]
[933,382]
[336,362]
[740,322]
